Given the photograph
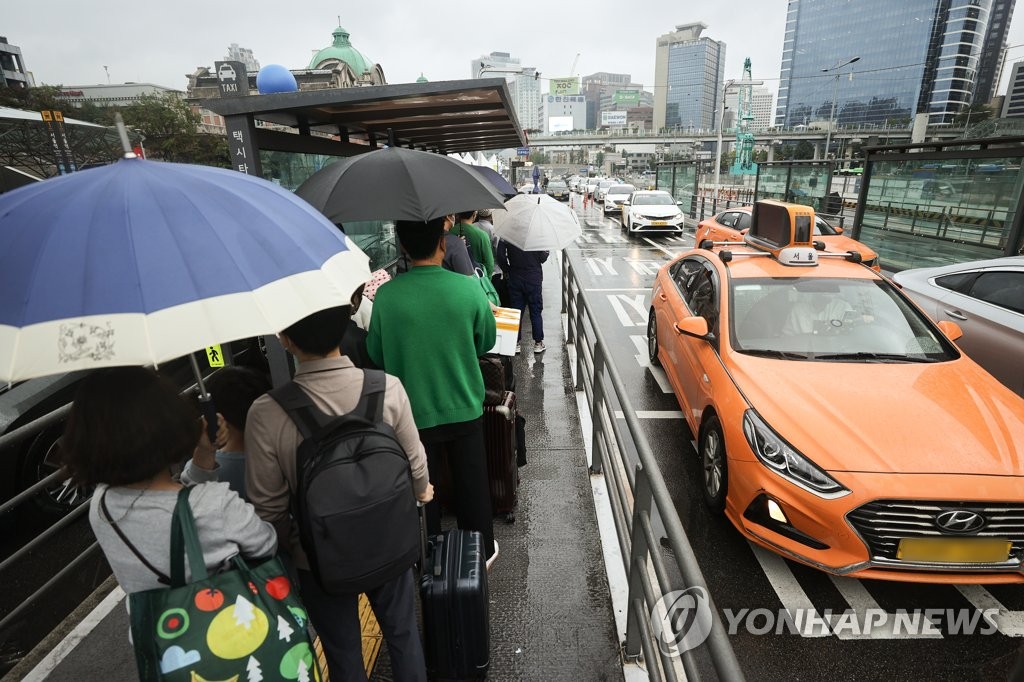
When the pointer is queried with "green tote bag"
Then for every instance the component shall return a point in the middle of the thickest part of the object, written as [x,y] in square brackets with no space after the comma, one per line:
[245,624]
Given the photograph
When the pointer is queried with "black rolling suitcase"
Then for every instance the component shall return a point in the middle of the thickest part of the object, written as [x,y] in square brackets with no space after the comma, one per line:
[500,443]
[454,600]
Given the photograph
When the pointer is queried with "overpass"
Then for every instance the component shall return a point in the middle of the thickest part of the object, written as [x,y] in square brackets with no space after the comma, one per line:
[640,136]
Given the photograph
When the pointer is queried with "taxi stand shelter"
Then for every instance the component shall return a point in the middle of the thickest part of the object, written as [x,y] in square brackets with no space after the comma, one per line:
[443,117]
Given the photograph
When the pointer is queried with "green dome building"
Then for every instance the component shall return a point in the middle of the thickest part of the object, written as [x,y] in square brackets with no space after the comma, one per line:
[341,54]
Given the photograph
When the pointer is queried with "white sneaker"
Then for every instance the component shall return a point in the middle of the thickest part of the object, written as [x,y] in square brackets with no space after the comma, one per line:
[490,562]
[538,347]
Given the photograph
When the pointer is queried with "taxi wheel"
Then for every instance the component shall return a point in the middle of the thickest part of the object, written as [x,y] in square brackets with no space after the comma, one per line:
[652,339]
[714,464]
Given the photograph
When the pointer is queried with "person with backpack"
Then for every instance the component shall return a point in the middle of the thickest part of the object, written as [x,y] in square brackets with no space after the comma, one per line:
[429,328]
[336,465]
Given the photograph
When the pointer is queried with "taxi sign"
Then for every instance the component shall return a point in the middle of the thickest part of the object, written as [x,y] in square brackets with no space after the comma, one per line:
[798,255]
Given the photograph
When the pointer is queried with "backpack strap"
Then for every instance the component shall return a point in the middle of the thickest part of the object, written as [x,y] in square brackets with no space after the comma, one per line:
[371,399]
[308,418]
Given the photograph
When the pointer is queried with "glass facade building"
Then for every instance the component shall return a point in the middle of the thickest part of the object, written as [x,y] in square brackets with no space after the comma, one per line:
[688,74]
[916,56]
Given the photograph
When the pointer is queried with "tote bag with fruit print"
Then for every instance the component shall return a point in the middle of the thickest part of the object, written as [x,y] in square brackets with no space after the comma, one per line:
[245,624]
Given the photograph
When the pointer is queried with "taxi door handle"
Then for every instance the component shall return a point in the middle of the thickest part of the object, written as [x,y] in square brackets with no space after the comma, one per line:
[955,314]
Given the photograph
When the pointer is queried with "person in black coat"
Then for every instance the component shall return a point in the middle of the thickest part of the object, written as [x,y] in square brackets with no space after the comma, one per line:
[525,274]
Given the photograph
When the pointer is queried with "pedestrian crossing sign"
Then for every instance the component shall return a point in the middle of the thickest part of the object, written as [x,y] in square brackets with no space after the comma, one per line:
[215,355]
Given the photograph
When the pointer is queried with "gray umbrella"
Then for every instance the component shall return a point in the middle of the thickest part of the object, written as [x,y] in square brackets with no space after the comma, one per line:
[397,184]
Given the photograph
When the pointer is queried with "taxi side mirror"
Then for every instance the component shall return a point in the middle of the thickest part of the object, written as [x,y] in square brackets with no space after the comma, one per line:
[951,329]
[696,327]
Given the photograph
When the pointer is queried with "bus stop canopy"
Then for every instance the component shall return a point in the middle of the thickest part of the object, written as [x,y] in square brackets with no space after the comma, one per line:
[445,116]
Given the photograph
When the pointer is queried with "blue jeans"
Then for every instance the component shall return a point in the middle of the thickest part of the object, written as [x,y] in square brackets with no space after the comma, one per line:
[522,293]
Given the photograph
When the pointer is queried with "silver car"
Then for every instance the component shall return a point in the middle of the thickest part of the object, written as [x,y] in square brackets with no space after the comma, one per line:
[986,298]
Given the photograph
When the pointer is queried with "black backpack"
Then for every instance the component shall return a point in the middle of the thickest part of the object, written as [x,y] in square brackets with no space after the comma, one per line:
[354,500]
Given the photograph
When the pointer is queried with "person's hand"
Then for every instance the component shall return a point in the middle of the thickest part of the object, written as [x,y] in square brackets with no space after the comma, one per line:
[427,495]
[205,453]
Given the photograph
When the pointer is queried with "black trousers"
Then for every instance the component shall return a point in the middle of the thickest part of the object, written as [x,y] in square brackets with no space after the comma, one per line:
[463,442]
[336,619]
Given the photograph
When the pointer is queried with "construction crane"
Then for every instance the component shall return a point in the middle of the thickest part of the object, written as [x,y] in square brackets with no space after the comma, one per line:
[744,163]
[572,69]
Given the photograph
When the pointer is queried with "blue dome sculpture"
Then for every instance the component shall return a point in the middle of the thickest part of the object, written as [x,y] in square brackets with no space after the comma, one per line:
[275,78]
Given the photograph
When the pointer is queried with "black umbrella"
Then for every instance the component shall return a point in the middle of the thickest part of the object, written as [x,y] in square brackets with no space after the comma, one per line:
[397,184]
[496,179]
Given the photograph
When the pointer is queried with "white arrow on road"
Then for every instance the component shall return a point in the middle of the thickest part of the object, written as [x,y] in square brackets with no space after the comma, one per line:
[595,265]
[645,267]
[635,303]
[641,359]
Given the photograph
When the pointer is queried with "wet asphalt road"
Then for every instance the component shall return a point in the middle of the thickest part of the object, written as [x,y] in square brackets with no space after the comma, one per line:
[617,272]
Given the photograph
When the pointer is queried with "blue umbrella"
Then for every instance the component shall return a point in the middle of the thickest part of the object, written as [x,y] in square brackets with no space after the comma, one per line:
[496,179]
[140,262]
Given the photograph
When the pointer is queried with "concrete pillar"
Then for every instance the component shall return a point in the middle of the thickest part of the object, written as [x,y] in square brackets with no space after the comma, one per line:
[771,153]
[817,150]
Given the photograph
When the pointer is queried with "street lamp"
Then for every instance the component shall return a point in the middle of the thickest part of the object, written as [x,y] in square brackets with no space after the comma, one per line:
[721,122]
[835,93]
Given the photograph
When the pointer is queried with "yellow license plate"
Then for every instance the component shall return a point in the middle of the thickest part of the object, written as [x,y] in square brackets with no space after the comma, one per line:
[954,550]
[659,222]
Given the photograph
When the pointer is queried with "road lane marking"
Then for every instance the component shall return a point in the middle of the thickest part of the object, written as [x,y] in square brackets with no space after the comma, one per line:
[620,289]
[636,303]
[595,265]
[659,247]
[861,601]
[789,591]
[53,659]
[652,414]
[644,267]
[1010,623]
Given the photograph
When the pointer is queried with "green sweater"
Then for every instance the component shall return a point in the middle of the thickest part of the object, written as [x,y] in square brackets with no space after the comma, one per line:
[428,328]
[479,245]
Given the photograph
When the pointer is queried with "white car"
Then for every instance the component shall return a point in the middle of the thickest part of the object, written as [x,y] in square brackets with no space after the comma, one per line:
[590,187]
[616,196]
[652,211]
[602,188]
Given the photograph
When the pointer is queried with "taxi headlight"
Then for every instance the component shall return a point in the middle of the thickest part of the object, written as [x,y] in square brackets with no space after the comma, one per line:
[778,456]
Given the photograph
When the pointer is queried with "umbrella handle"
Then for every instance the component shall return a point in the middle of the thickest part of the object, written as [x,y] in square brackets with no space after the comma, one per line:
[209,412]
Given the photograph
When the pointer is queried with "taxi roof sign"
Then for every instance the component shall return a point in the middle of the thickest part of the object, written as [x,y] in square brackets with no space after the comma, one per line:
[775,225]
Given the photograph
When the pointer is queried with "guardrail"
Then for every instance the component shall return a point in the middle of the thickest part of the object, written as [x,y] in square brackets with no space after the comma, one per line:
[633,496]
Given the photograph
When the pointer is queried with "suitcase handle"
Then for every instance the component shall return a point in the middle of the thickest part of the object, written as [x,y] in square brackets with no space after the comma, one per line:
[423,536]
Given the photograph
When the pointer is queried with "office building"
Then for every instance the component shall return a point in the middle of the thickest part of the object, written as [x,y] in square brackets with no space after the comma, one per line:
[764,111]
[526,98]
[244,55]
[688,74]
[12,67]
[612,92]
[1013,102]
[113,94]
[993,50]
[523,84]
[923,56]
[562,113]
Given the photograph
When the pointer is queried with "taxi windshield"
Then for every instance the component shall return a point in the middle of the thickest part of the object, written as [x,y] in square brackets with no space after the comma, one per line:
[653,200]
[814,318]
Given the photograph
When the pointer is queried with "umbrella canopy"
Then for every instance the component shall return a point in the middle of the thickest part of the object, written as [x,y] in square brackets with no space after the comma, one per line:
[140,262]
[397,184]
[536,222]
[495,178]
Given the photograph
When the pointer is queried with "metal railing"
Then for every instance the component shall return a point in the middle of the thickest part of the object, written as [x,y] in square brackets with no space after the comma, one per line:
[634,495]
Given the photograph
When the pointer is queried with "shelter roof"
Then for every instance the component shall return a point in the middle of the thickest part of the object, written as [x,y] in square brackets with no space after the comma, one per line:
[24,115]
[443,116]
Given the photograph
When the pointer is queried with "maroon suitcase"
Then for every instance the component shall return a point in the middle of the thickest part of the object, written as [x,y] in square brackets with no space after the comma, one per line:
[500,444]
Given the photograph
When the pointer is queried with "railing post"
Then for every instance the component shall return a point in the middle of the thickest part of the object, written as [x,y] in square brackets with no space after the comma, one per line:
[642,497]
[597,384]
[579,346]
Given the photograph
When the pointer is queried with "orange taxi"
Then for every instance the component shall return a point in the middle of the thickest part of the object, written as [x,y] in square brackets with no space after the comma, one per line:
[730,225]
[837,425]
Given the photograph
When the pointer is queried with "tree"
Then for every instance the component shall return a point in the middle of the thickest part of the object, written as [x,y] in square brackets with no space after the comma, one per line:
[244,612]
[33,99]
[976,113]
[170,128]
[599,159]
[284,630]
[538,157]
[253,670]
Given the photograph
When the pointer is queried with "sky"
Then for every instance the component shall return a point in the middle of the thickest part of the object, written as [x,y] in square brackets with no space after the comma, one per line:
[69,42]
